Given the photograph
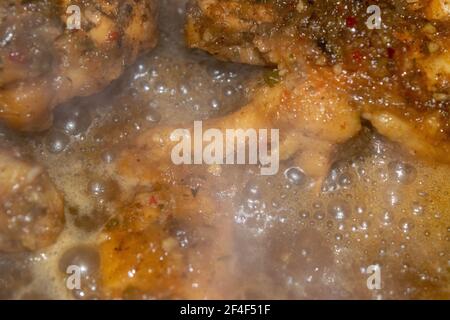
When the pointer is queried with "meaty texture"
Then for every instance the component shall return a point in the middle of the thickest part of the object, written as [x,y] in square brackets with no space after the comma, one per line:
[171,241]
[397,77]
[313,114]
[42,63]
[31,209]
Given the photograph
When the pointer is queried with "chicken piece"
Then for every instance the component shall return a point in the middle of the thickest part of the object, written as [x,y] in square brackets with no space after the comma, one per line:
[310,108]
[31,209]
[171,241]
[423,133]
[233,20]
[43,63]
[398,76]
[310,123]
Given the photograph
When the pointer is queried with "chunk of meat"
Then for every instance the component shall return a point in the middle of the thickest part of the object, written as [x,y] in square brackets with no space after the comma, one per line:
[43,64]
[398,72]
[424,134]
[172,241]
[31,209]
[304,109]
[231,20]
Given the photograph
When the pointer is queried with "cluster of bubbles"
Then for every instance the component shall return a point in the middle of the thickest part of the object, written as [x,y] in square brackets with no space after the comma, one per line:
[171,84]
[374,204]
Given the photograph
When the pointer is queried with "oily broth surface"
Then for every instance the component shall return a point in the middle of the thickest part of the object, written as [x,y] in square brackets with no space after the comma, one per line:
[377,206]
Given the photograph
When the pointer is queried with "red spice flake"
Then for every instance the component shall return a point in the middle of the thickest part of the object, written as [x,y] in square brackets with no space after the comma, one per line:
[357,56]
[391,53]
[351,22]
[17,57]
[113,36]
[153,201]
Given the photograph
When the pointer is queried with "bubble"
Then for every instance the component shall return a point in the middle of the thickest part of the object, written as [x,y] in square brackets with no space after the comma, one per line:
[184,89]
[73,120]
[161,88]
[392,197]
[319,215]
[360,209]
[106,189]
[108,157]
[87,259]
[214,72]
[417,209]
[387,217]
[153,116]
[84,256]
[364,225]
[228,91]
[362,172]
[329,186]
[339,209]
[295,176]
[304,214]
[406,225]
[215,104]
[317,205]
[345,180]
[252,195]
[57,142]
[402,172]
[382,174]
[253,190]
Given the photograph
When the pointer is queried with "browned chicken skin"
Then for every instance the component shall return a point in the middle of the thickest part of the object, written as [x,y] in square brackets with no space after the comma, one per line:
[327,81]
[397,77]
[141,257]
[43,64]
